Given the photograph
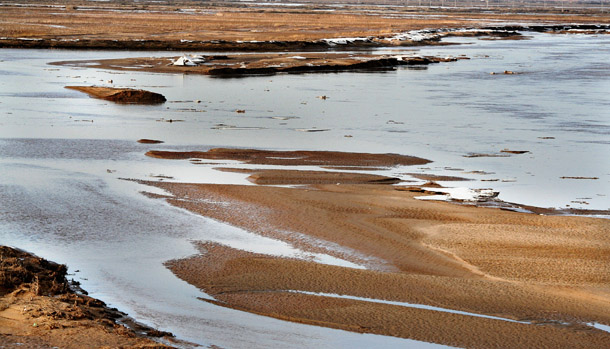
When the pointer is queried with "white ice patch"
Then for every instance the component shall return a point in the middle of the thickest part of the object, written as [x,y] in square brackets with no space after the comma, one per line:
[184,61]
[345,41]
[426,34]
[460,194]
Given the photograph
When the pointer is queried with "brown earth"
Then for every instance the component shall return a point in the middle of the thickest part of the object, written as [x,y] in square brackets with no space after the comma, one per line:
[550,273]
[212,27]
[39,310]
[121,95]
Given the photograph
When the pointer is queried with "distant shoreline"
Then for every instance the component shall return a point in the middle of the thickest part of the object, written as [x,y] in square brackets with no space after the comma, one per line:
[190,26]
[363,43]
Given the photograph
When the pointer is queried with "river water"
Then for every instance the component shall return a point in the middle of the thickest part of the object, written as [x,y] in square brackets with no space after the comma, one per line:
[63,154]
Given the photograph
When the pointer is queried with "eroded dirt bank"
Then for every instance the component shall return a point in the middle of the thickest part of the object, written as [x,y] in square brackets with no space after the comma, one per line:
[541,281]
[39,309]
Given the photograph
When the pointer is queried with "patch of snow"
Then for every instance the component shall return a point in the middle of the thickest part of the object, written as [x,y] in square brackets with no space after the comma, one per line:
[184,61]
[460,194]
[345,41]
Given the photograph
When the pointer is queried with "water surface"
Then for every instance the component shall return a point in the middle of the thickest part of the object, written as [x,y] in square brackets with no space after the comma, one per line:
[63,154]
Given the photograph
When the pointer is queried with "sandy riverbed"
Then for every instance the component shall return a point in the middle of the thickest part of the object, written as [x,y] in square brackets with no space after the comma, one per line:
[544,277]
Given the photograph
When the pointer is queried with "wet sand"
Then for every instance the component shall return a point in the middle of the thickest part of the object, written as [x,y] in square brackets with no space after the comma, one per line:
[544,278]
[39,309]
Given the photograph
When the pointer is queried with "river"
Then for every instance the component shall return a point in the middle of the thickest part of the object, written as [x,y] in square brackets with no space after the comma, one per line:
[64,157]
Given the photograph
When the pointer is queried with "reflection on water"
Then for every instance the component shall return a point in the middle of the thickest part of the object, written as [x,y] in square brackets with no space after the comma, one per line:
[62,154]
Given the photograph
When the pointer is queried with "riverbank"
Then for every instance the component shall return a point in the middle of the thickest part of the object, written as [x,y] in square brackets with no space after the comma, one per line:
[191,27]
[455,275]
[38,308]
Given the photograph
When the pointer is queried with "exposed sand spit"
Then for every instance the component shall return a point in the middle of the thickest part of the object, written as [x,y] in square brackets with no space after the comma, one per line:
[260,64]
[294,158]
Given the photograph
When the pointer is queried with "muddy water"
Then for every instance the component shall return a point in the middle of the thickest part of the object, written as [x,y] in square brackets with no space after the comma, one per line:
[62,157]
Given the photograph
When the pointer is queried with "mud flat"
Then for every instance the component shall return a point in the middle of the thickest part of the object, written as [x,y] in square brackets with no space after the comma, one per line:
[38,308]
[431,271]
[258,64]
[121,95]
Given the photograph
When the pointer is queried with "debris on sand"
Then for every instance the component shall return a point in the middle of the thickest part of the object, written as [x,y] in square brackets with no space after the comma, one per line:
[121,95]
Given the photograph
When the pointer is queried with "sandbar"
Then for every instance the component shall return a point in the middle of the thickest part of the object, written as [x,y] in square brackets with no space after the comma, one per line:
[542,281]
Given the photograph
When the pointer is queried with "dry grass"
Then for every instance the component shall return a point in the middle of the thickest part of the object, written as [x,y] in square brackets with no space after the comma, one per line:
[227,23]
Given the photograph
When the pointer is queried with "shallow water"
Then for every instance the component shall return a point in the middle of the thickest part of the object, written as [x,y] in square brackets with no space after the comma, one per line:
[557,108]
[62,155]
[115,242]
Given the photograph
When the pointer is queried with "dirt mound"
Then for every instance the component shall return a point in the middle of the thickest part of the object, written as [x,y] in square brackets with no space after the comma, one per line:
[136,96]
[121,95]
